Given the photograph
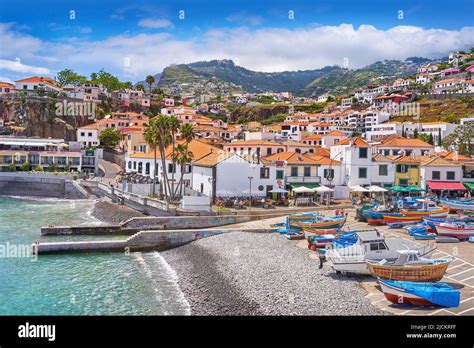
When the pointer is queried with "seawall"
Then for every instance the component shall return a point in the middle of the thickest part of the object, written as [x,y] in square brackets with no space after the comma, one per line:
[41,185]
[141,241]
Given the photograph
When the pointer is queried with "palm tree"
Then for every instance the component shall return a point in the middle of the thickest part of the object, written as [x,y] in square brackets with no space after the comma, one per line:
[151,137]
[164,140]
[150,80]
[187,132]
[182,156]
[173,126]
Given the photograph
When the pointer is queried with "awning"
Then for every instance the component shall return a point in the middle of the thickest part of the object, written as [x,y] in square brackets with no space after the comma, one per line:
[469,185]
[308,185]
[446,185]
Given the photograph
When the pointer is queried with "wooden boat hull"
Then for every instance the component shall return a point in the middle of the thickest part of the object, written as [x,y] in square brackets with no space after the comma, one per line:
[295,236]
[448,231]
[309,232]
[398,295]
[402,219]
[455,206]
[337,223]
[414,273]
[439,213]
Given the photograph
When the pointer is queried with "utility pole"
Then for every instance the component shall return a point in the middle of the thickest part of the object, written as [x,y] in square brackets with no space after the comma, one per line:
[250,192]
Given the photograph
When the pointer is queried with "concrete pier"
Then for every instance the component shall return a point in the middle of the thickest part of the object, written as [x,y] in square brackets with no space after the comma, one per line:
[141,241]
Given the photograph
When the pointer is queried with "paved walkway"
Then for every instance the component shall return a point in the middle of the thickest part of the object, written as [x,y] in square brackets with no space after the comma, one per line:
[460,273]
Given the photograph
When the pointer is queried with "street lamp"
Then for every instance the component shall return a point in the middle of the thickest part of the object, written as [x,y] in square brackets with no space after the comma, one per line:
[250,192]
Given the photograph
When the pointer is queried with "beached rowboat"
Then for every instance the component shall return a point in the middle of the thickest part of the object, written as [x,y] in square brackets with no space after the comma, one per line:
[459,230]
[410,267]
[400,218]
[420,294]
[438,213]
[321,223]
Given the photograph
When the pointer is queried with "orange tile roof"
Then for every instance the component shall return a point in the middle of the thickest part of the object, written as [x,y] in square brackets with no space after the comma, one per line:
[295,143]
[292,158]
[213,158]
[323,160]
[321,151]
[313,137]
[407,159]
[336,133]
[198,148]
[48,80]
[397,141]
[354,142]
[446,81]
[6,84]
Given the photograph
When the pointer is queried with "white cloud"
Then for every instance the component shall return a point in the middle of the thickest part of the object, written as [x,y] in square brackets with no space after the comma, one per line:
[155,23]
[18,67]
[133,57]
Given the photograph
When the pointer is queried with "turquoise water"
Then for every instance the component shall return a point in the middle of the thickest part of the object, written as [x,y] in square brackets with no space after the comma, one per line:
[77,284]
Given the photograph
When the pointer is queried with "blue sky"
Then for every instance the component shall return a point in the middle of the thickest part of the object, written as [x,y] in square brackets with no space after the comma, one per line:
[133,39]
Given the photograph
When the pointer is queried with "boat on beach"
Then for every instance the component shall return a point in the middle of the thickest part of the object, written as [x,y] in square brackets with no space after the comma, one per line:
[428,208]
[455,205]
[309,232]
[321,222]
[420,293]
[458,229]
[371,245]
[400,218]
[410,266]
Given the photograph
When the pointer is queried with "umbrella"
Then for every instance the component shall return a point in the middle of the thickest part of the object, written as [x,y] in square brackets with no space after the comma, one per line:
[322,189]
[302,189]
[278,190]
[375,188]
[358,188]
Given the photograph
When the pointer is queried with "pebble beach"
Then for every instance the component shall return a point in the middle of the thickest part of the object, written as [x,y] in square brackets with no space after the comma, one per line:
[242,273]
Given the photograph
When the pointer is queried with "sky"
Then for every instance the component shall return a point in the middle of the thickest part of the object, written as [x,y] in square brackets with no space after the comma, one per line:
[133,39]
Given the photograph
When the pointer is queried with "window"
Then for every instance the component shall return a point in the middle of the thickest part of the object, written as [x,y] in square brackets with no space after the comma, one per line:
[147,168]
[374,247]
[279,174]
[383,170]
[129,165]
[403,182]
[264,173]
[363,152]
[89,134]
[401,168]
[83,134]
[307,171]
[187,168]
[294,171]
[171,168]
[362,172]
[329,174]
[269,151]
[436,175]
[450,176]
[408,152]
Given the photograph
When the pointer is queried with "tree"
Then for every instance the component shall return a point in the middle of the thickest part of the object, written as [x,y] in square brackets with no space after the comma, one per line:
[128,85]
[439,137]
[109,81]
[430,139]
[173,126]
[415,133]
[25,166]
[182,156]
[150,80]
[151,137]
[110,137]
[69,77]
[140,87]
[461,140]
[38,168]
[164,140]
[187,132]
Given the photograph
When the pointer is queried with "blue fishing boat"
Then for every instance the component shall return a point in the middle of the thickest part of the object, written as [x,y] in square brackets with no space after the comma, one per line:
[424,236]
[420,293]
[458,205]
[419,228]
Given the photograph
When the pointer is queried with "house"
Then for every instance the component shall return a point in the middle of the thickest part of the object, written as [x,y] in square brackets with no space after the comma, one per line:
[382,171]
[396,145]
[294,169]
[468,86]
[439,174]
[134,139]
[214,175]
[447,85]
[448,72]
[6,88]
[424,78]
[407,171]
[333,138]
[298,147]
[313,139]
[168,102]
[254,148]
[346,102]
[323,98]
[88,136]
[35,83]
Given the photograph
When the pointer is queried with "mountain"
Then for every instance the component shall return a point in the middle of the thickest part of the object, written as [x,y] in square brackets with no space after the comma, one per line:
[255,81]
[335,79]
[341,80]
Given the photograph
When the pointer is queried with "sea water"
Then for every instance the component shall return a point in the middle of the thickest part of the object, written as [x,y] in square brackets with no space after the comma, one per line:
[77,284]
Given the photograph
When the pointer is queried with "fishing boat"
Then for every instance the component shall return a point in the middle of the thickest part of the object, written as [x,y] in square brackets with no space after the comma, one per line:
[420,293]
[309,232]
[375,215]
[398,217]
[428,208]
[304,216]
[321,222]
[446,240]
[321,241]
[424,236]
[419,228]
[455,205]
[410,266]
[458,229]
[294,235]
[371,245]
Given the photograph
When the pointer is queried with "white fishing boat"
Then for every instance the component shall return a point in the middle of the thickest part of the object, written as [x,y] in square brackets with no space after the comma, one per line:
[371,245]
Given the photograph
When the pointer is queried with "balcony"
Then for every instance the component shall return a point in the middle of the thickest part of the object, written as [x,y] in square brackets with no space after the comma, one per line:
[302,179]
